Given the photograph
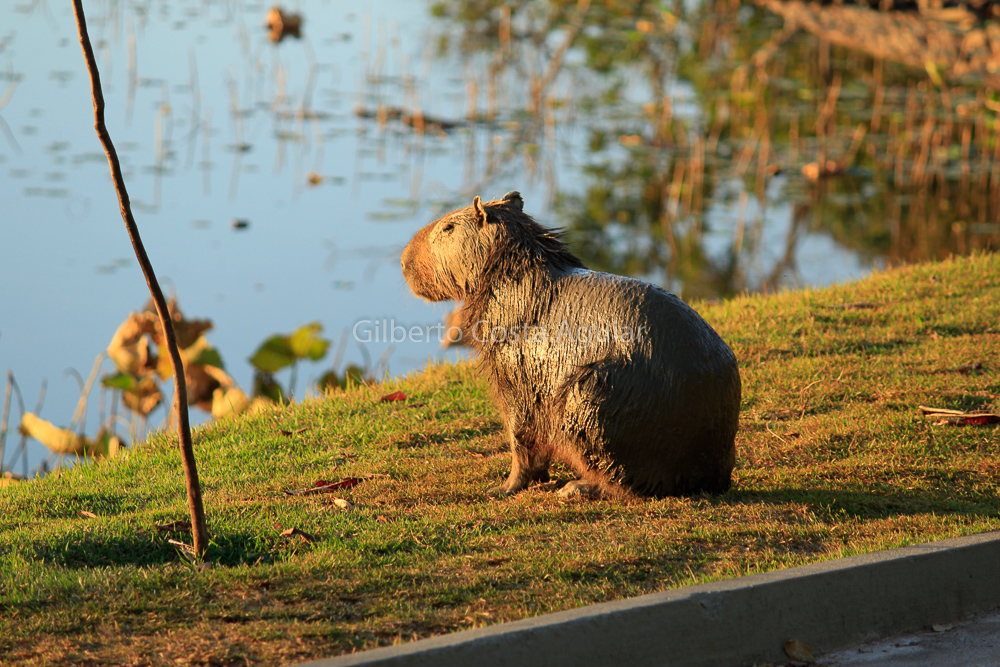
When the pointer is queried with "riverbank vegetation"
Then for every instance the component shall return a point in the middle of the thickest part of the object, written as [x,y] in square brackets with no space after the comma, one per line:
[361,518]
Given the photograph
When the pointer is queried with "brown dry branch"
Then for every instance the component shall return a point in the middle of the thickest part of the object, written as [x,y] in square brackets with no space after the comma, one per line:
[200,531]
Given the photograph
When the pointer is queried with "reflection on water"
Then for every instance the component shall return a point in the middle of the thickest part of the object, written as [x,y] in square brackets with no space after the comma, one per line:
[702,146]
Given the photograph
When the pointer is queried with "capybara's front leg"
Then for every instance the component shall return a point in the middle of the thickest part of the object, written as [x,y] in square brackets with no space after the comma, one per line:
[528,463]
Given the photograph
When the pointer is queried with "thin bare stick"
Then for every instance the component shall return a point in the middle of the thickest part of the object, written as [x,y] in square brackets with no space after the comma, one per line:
[3,419]
[199,532]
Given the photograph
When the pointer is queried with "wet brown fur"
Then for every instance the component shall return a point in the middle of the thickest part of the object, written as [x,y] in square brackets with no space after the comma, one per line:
[654,416]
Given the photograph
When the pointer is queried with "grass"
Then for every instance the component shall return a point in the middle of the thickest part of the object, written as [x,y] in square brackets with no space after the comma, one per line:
[833,459]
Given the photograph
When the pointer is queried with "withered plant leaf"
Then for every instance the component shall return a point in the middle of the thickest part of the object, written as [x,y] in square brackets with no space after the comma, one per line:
[174,527]
[289,532]
[797,650]
[144,398]
[59,440]
[227,402]
[187,331]
[86,515]
[200,386]
[394,396]
[324,486]
[129,347]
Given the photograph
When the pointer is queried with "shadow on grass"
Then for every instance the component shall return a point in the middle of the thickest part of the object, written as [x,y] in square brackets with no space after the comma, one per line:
[144,549]
[875,504]
[446,437]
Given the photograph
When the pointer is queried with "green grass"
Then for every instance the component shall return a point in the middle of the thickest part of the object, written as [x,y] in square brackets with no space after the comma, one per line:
[833,459]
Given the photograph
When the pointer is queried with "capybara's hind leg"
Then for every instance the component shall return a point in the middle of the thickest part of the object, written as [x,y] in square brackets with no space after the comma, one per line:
[594,486]
[579,489]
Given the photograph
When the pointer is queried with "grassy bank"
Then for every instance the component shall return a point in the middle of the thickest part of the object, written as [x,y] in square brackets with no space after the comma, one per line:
[834,458]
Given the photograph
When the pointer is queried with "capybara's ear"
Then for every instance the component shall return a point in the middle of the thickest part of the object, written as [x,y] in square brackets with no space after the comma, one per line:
[513,199]
[477,204]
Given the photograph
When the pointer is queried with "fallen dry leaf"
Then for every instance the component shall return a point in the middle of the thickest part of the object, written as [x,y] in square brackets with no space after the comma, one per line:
[968,368]
[342,503]
[394,396]
[797,650]
[324,486]
[185,549]
[289,532]
[290,433]
[970,420]
[946,417]
[942,627]
[174,526]
[86,515]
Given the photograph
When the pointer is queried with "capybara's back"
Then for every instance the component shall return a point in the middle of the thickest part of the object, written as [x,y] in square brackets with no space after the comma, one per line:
[617,377]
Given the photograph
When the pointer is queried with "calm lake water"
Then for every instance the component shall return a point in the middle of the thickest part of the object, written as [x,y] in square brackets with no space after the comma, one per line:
[276,184]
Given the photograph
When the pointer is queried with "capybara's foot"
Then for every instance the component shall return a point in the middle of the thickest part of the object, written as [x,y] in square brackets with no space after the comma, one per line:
[579,489]
[501,491]
[508,488]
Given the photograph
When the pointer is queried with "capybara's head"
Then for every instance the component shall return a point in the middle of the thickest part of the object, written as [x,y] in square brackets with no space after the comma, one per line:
[446,258]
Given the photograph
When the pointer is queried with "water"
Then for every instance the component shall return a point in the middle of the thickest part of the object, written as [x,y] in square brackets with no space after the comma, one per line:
[302,143]
[309,253]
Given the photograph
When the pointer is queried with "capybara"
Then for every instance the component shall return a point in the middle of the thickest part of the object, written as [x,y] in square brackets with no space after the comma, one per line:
[616,377]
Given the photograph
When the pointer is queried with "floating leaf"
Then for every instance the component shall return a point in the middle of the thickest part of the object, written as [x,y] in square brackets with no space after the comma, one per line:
[206,355]
[394,396]
[306,343]
[283,24]
[274,354]
[122,381]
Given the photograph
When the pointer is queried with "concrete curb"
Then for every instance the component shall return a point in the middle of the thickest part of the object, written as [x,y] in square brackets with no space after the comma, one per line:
[742,621]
